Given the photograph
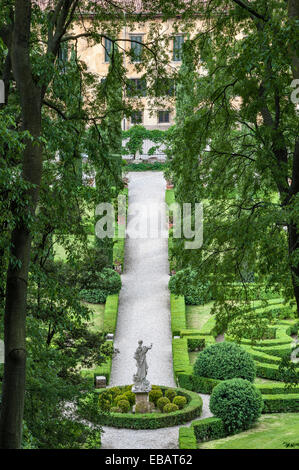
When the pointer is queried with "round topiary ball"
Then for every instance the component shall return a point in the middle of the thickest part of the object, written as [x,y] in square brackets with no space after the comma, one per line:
[180,401]
[225,361]
[120,397]
[154,395]
[162,402]
[124,406]
[170,393]
[170,408]
[131,397]
[237,402]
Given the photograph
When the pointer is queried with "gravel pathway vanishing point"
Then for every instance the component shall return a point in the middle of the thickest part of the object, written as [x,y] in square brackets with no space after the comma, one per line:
[144,311]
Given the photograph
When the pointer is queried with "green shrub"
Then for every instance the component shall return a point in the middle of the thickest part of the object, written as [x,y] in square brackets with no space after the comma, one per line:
[197,384]
[170,394]
[180,401]
[185,282]
[115,391]
[154,395]
[209,429]
[237,402]
[154,420]
[124,405]
[105,401]
[162,402]
[196,344]
[170,408]
[131,397]
[225,361]
[93,296]
[122,396]
[284,403]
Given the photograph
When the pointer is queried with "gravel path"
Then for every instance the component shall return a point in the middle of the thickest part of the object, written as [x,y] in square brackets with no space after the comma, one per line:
[144,305]
[144,312]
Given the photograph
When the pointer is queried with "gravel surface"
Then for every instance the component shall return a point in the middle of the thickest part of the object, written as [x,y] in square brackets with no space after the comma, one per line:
[144,304]
[144,311]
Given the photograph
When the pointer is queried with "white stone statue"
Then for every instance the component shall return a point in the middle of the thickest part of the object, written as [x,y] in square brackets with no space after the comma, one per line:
[140,382]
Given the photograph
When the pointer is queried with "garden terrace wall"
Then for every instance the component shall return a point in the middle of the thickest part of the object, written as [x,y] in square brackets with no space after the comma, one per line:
[191,411]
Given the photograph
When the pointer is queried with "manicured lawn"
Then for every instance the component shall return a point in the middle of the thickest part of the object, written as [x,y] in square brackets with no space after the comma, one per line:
[273,431]
[97,318]
[198,315]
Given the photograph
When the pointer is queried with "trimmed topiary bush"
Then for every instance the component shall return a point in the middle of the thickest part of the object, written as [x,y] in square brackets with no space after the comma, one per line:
[115,391]
[105,401]
[152,419]
[162,402]
[120,397]
[225,361]
[180,402]
[170,393]
[170,408]
[124,406]
[131,397]
[154,395]
[238,403]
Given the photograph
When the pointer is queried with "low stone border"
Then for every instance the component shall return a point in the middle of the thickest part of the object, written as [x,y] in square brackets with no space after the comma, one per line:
[191,411]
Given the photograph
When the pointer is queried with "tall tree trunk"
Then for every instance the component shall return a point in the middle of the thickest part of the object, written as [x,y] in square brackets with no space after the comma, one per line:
[16,287]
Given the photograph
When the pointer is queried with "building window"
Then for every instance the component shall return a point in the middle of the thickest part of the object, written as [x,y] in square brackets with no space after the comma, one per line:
[178,42]
[136,117]
[136,47]
[164,86]
[136,87]
[108,49]
[163,117]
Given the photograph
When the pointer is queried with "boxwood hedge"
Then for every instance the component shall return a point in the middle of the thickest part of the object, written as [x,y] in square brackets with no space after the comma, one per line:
[155,420]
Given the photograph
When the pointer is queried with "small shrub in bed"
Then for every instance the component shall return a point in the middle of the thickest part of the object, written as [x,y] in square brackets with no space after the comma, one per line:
[131,397]
[154,395]
[180,402]
[225,361]
[238,403]
[124,406]
[162,402]
[170,393]
[170,408]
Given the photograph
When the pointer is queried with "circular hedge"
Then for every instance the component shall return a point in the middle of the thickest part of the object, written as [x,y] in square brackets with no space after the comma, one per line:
[225,361]
[238,403]
[154,420]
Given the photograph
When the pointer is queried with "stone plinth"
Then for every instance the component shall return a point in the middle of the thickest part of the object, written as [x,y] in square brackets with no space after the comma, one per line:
[141,397]
[142,403]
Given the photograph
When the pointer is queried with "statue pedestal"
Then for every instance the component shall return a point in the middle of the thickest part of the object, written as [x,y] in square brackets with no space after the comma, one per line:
[141,397]
[142,403]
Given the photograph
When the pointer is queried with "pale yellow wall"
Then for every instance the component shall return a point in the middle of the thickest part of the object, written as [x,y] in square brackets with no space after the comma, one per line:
[94,57]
